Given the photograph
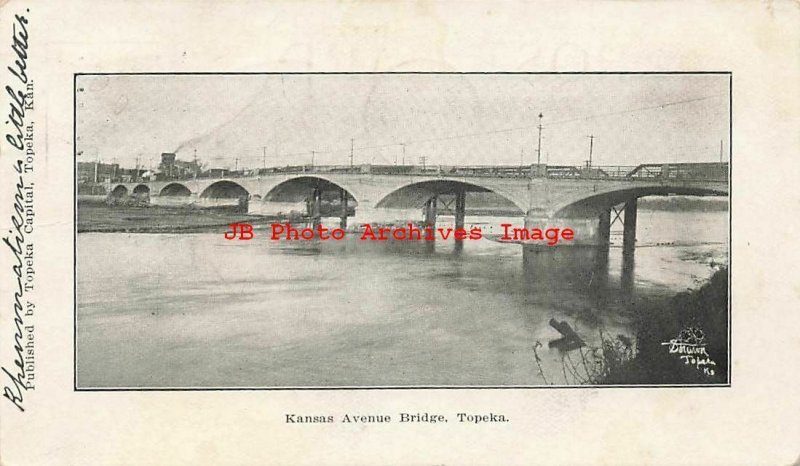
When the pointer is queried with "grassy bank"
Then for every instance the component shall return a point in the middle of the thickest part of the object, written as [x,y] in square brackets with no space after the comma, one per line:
[706,309]
[649,361]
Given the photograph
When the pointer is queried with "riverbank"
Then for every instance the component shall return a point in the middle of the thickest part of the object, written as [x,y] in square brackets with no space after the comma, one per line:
[682,340]
[676,340]
[155,219]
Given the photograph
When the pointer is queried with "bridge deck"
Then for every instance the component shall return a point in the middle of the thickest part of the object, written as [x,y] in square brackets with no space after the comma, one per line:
[678,171]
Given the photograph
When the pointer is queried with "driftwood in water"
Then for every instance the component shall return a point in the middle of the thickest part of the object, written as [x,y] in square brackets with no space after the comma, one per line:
[569,339]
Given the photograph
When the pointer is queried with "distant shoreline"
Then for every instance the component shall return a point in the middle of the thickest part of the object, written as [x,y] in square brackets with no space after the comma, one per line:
[685,204]
[139,219]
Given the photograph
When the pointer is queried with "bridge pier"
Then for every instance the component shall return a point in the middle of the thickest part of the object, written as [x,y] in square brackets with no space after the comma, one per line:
[315,211]
[628,246]
[584,229]
[343,202]
[604,229]
[460,216]
[629,228]
[461,209]
[600,275]
[430,211]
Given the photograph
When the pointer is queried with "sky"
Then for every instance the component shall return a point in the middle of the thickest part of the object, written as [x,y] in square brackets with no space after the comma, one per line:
[248,121]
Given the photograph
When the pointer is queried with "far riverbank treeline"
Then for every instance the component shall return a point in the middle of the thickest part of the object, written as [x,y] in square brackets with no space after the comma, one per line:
[684,203]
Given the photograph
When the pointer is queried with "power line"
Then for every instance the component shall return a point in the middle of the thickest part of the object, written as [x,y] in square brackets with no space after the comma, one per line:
[654,107]
[484,133]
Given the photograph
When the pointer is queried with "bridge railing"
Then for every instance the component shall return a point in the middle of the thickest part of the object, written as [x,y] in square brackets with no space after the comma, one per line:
[687,171]
[673,171]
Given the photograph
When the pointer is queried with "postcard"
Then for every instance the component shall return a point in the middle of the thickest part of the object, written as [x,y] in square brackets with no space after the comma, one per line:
[399,233]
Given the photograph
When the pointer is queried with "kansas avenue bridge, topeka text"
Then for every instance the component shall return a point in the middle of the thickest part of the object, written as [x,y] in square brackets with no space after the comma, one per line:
[403,418]
[411,232]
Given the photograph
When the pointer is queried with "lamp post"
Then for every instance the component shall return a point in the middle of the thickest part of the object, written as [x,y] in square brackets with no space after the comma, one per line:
[539,148]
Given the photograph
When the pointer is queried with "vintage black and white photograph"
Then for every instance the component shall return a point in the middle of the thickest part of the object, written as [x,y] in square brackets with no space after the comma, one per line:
[376,230]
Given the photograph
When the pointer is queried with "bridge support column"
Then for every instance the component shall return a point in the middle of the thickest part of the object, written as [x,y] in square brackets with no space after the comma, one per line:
[604,230]
[430,211]
[629,228]
[628,248]
[460,215]
[316,204]
[343,218]
[584,229]
[461,209]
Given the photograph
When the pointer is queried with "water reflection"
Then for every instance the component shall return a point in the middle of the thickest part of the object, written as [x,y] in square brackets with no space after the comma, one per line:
[581,269]
[627,276]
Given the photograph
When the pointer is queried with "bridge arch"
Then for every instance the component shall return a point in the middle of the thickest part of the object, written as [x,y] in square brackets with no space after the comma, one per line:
[225,189]
[590,206]
[175,189]
[415,194]
[298,188]
[119,191]
[141,190]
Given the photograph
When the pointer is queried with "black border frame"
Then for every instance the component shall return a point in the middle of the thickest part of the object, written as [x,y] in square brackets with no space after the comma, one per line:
[409,387]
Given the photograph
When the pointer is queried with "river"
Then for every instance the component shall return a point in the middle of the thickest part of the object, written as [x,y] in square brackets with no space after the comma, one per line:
[195,310]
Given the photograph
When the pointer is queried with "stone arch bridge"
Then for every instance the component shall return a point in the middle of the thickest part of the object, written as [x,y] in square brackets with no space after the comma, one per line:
[582,196]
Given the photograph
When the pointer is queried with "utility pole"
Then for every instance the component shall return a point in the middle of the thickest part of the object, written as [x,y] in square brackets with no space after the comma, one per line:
[236,164]
[591,145]
[404,154]
[352,147]
[720,151]
[312,159]
[264,153]
[521,157]
[539,149]
[136,170]
[96,163]
[422,160]
[196,166]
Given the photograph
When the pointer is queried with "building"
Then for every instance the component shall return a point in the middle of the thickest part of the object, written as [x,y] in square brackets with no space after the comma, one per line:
[171,168]
[97,172]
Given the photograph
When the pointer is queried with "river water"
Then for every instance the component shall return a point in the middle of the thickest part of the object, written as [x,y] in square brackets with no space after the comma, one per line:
[195,310]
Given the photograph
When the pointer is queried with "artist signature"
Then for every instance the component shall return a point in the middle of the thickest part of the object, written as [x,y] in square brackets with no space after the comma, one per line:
[690,346]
